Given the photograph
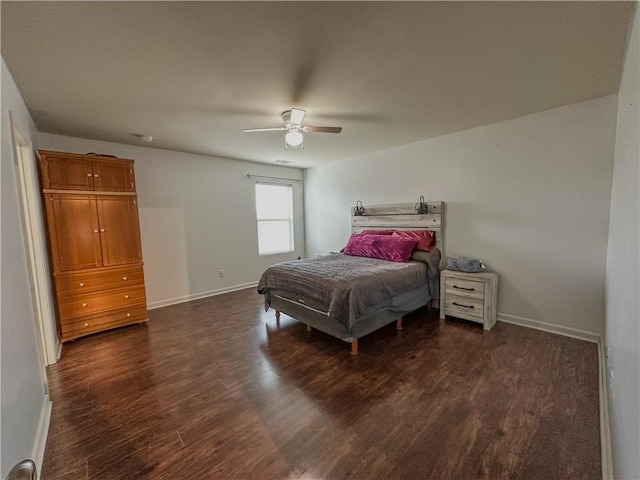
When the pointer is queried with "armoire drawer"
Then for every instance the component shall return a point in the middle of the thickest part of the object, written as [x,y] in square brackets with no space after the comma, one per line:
[93,281]
[73,328]
[89,303]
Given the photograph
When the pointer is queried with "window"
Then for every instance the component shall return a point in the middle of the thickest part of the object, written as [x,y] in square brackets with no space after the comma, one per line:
[274,208]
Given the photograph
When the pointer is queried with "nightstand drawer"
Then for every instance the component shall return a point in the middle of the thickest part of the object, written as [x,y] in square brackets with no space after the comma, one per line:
[464,288]
[464,307]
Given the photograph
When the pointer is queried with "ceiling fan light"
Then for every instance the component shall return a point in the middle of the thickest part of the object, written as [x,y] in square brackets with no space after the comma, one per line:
[297,115]
[293,138]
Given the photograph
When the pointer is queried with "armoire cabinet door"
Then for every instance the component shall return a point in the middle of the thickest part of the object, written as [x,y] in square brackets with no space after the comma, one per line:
[113,176]
[74,232]
[119,229]
[69,173]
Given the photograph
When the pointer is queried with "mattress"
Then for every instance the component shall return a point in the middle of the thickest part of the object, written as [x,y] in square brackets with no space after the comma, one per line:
[348,288]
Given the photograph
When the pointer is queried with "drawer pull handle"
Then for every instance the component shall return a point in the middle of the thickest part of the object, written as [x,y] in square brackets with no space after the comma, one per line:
[102,230]
[82,284]
[464,306]
[124,278]
[126,296]
[95,230]
[128,315]
[96,175]
[86,324]
[84,304]
[89,174]
[463,288]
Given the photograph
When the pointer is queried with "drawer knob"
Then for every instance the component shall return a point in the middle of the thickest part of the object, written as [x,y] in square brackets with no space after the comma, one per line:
[84,304]
[96,175]
[89,174]
[128,315]
[124,278]
[126,296]
[463,288]
[464,306]
[82,284]
[86,324]
[95,230]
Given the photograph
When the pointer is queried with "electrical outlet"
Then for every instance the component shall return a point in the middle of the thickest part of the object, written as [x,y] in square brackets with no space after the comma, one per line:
[221,273]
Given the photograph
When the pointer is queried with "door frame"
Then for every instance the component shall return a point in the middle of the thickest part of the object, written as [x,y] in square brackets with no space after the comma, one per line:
[36,246]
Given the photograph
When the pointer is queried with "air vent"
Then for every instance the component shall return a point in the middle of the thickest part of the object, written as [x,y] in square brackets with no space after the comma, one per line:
[285,162]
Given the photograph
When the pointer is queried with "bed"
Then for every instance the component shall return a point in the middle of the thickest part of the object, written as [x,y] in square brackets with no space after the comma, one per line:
[349,296]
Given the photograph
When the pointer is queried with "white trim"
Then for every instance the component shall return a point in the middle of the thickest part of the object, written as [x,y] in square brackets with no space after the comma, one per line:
[40,442]
[289,219]
[549,327]
[28,188]
[196,296]
[264,178]
[605,432]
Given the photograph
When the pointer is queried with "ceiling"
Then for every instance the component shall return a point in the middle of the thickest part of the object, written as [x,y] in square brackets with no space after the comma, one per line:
[195,74]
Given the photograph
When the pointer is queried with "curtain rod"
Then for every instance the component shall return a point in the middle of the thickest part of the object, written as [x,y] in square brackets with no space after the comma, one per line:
[249,175]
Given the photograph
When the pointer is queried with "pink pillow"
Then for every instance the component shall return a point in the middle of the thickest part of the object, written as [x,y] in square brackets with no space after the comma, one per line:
[425,238]
[384,247]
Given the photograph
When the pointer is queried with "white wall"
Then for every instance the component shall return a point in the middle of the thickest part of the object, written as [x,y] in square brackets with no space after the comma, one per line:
[24,400]
[529,196]
[622,323]
[197,216]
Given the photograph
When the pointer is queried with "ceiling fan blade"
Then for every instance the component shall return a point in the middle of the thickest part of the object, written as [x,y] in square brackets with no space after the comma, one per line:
[322,129]
[275,129]
[297,115]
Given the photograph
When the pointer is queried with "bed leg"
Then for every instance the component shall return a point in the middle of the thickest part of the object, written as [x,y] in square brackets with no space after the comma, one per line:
[399,324]
[308,328]
[277,314]
[354,346]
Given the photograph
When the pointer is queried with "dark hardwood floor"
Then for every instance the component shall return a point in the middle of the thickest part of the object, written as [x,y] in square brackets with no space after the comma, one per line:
[215,389]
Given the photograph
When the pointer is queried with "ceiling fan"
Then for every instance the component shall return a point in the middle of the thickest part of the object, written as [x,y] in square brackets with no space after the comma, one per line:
[293,126]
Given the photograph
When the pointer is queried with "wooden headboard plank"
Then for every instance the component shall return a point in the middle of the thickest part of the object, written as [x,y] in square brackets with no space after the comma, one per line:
[399,209]
[425,221]
[402,216]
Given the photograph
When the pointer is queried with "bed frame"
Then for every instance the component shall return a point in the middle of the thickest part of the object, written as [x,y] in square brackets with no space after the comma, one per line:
[375,217]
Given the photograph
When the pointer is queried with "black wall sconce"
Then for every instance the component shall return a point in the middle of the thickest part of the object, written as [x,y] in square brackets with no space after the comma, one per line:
[421,207]
[358,209]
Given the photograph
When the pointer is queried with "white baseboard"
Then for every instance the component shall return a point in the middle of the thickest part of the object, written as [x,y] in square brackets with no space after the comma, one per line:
[40,443]
[196,296]
[549,327]
[605,432]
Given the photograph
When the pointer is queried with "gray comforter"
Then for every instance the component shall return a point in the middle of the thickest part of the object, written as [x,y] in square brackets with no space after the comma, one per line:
[341,285]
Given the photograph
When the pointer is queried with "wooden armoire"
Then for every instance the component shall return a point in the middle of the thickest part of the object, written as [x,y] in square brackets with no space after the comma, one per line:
[94,242]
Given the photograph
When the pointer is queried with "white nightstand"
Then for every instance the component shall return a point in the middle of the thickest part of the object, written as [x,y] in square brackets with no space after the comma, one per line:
[471,296]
